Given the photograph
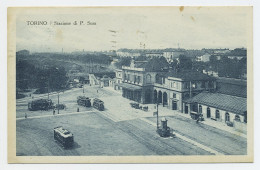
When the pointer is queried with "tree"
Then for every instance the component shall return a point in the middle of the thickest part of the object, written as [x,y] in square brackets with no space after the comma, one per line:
[124,61]
[184,63]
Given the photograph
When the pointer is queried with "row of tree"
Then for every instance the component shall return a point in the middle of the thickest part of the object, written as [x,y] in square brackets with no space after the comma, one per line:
[49,79]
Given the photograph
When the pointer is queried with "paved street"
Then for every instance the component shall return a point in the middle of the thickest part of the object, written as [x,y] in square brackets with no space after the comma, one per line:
[119,130]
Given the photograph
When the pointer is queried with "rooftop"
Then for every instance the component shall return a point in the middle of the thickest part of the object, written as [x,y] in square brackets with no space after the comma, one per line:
[189,75]
[220,101]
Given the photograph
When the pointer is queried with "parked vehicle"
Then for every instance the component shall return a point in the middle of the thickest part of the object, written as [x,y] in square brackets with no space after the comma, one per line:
[164,130]
[98,104]
[63,136]
[60,106]
[135,105]
[40,104]
[84,101]
[229,123]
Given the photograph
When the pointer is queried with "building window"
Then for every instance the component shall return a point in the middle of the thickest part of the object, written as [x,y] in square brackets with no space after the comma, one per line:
[173,85]
[163,80]
[186,85]
[148,78]
[200,109]
[227,117]
[237,118]
[157,79]
[138,79]
[208,113]
[174,95]
[217,114]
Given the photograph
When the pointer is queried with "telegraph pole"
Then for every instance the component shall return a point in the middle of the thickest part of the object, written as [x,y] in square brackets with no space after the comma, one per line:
[157,116]
[190,89]
[58,102]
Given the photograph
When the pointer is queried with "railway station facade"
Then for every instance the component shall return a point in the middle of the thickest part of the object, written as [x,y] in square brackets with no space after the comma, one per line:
[142,83]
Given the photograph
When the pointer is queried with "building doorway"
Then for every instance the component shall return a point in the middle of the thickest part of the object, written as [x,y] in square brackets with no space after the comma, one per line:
[174,105]
[165,99]
[148,95]
[186,109]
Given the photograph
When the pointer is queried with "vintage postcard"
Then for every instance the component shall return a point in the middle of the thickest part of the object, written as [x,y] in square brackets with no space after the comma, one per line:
[130,84]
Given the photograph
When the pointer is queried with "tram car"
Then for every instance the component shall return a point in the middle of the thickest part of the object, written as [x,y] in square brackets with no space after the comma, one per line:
[63,136]
[40,104]
[164,130]
[83,101]
[98,104]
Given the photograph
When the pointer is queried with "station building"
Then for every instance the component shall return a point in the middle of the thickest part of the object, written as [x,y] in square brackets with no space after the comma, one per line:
[144,83]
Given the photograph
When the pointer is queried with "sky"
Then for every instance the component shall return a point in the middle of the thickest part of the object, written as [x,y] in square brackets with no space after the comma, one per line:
[156,27]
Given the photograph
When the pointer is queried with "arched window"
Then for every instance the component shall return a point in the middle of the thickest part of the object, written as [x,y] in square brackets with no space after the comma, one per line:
[208,113]
[148,78]
[217,114]
[200,109]
[227,117]
[237,118]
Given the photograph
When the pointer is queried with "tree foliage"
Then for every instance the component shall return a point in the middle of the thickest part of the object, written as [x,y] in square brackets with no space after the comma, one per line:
[28,76]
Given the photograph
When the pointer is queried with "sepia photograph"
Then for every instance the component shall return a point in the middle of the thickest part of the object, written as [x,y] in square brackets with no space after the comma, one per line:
[130,84]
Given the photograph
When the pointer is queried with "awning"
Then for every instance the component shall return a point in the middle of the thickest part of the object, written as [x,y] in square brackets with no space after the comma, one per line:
[130,86]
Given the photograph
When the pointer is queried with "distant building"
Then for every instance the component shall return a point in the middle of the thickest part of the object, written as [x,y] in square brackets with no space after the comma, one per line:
[127,54]
[104,81]
[211,73]
[154,54]
[118,79]
[204,58]
[237,57]
[173,54]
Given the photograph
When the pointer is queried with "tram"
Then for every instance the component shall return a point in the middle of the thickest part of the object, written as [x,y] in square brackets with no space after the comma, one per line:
[83,101]
[40,104]
[63,136]
[98,104]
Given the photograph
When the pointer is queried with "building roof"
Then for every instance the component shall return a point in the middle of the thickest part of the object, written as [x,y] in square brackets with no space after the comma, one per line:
[189,75]
[232,81]
[130,86]
[232,87]
[220,101]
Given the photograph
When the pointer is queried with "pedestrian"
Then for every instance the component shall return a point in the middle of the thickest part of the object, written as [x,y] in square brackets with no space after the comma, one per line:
[53,111]
[25,115]
[78,110]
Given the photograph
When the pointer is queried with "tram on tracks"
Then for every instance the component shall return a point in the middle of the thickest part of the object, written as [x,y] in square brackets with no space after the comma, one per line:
[64,137]
[98,104]
[84,101]
[40,104]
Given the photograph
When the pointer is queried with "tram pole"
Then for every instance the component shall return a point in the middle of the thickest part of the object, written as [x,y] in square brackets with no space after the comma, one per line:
[157,116]
[58,102]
